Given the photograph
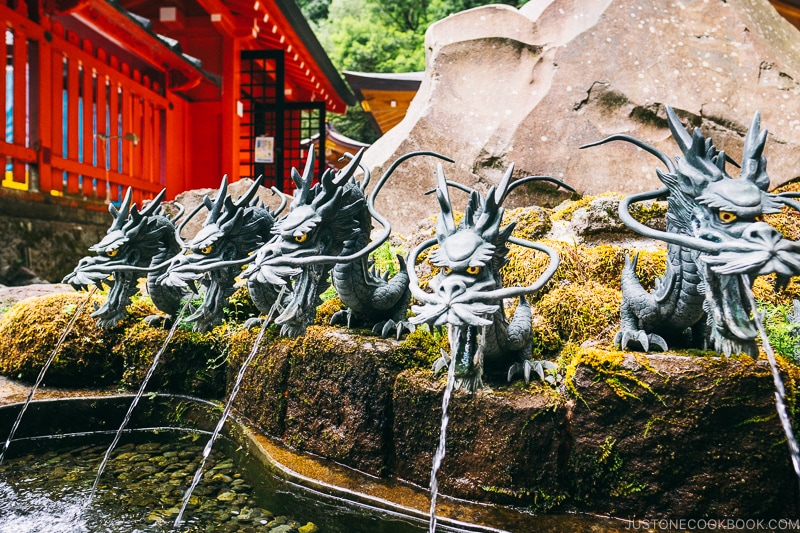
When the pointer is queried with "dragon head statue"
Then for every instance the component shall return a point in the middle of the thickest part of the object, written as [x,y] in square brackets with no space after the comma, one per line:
[716,231]
[137,242]
[231,232]
[308,241]
[467,293]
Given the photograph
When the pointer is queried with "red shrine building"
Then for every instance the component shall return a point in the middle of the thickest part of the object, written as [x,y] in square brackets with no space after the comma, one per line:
[102,95]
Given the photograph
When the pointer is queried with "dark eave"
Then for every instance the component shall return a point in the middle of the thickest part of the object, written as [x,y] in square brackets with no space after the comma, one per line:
[110,18]
[404,81]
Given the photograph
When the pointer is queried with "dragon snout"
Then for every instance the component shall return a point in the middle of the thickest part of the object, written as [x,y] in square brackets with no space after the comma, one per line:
[450,290]
[762,233]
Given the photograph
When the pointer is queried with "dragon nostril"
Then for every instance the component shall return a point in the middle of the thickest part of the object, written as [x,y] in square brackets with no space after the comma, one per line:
[761,231]
[452,289]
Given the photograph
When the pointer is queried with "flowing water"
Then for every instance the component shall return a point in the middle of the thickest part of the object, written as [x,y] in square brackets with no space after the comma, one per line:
[47,491]
[47,364]
[134,403]
[234,391]
[440,448]
[780,390]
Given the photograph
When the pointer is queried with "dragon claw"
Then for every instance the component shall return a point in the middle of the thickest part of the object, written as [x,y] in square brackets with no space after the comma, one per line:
[524,367]
[441,364]
[341,318]
[385,329]
[253,322]
[158,321]
[625,337]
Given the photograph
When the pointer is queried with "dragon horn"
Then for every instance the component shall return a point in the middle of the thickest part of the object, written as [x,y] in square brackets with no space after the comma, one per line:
[282,196]
[347,172]
[444,201]
[121,215]
[154,204]
[247,197]
[502,188]
[753,162]
[721,159]
[303,183]
[679,133]
[469,212]
[216,207]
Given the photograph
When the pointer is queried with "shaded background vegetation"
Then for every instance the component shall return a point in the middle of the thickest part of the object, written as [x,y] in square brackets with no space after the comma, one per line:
[377,36]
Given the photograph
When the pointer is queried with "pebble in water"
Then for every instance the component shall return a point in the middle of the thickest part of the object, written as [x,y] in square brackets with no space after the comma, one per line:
[142,491]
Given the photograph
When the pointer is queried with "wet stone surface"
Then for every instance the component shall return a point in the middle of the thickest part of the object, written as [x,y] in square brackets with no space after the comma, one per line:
[141,491]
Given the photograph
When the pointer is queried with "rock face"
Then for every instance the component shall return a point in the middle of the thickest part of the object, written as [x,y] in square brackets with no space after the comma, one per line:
[667,434]
[531,86]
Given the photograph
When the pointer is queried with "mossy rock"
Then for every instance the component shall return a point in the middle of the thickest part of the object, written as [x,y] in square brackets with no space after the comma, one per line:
[532,222]
[30,330]
[764,290]
[581,311]
[327,309]
[582,263]
[240,306]
[593,215]
[192,363]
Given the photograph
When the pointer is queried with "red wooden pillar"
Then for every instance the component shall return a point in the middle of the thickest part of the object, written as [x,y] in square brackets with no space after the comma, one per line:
[57,118]
[176,145]
[19,63]
[88,121]
[73,90]
[231,52]
[42,86]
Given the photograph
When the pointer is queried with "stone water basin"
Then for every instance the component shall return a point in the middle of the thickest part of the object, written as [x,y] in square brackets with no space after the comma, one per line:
[251,483]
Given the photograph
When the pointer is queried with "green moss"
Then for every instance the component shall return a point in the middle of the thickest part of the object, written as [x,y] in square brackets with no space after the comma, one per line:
[600,473]
[531,222]
[240,306]
[608,364]
[29,332]
[326,310]
[581,311]
[581,264]
[419,349]
[192,363]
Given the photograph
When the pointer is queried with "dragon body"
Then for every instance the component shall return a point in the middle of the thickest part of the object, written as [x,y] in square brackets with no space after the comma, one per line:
[231,232]
[371,297]
[327,233]
[717,243]
[138,242]
[467,293]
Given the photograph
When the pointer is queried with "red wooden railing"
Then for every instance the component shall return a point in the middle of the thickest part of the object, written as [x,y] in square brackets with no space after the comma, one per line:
[83,123]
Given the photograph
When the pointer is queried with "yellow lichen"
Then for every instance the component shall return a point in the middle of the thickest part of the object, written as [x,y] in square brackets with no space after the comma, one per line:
[609,364]
[531,222]
[30,330]
[326,311]
[764,290]
[581,311]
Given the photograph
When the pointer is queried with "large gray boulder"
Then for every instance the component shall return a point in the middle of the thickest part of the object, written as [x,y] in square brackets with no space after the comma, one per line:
[531,86]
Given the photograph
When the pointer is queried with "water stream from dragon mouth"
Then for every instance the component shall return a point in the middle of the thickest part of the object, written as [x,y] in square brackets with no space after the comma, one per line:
[440,448]
[43,371]
[134,403]
[780,390]
[226,411]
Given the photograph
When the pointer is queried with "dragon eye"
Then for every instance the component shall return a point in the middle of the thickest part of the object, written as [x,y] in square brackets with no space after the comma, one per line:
[447,270]
[727,217]
[301,238]
[205,250]
[112,253]
[473,270]
[759,218]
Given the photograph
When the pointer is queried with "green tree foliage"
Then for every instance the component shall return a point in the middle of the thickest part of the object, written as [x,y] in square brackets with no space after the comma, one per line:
[377,36]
